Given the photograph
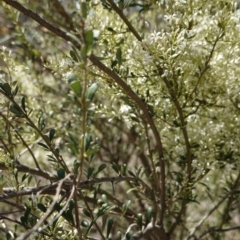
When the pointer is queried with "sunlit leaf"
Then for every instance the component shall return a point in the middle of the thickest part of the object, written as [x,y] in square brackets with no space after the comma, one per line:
[91,91]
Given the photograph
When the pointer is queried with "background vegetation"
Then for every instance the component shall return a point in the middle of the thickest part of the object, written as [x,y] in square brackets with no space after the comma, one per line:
[119,119]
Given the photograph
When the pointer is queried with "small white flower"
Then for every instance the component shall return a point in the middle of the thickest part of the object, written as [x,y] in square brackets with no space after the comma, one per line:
[124,109]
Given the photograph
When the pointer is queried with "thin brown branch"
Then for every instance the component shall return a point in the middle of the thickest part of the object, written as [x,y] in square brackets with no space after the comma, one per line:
[33,171]
[129,92]
[61,10]
[219,230]
[50,189]
[123,17]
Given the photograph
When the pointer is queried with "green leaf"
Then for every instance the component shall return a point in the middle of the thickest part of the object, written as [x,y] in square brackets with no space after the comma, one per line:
[51,134]
[139,220]
[84,53]
[61,173]
[114,63]
[77,88]
[23,220]
[131,173]
[25,176]
[194,145]
[41,207]
[104,198]
[100,168]
[23,104]
[126,206]
[71,205]
[149,215]
[115,167]
[119,56]
[14,108]
[41,123]
[84,9]
[27,212]
[68,216]
[90,172]
[102,211]
[15,173]
[176,123]
[57,207]
[74,37]
[111,30]
[76,166]
[109,226]
[71,77]
[123,169]
[9,235]
[89,42]
[73,55]
[43,145]
[91,91]
[128,236]
[87,141]
[86,213]
[6,88]
[15,91]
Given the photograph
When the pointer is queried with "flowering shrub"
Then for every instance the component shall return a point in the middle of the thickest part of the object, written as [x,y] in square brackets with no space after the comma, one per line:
[119,119]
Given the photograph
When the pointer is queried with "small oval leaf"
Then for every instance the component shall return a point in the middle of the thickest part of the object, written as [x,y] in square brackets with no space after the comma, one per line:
[86,213]
[87,141]
[91,91]
[77,88]
[61,173]
[51,134]
[41,207]
[6,88]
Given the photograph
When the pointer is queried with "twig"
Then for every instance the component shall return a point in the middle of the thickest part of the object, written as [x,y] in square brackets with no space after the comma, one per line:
[33,171]
[123,17]
[49,189]
[60,9]
[83,125]
[219,230]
